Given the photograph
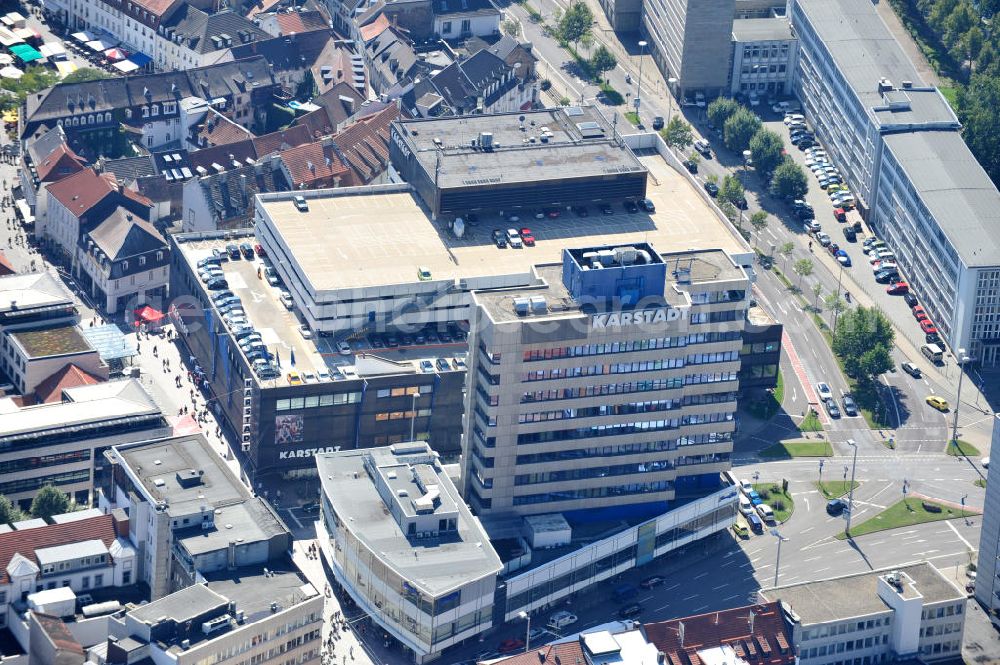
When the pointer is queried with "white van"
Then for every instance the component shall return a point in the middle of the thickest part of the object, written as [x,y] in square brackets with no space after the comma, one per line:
[561,619]
[933,352]
[746,507]
[765,513]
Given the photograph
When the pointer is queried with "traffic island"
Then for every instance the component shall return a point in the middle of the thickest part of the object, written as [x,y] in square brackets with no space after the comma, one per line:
[959,448]
[789,449]
[778,498]
[834,489]
[907,512]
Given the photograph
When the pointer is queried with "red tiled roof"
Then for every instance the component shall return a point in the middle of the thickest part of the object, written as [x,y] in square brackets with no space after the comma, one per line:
[26,542]
[60,163]
[6,267]
[298,22]
[728,627]
[374,29]
[295,135]
[82,191]
[262,6]
[70,376]
[313,165]
[155,7]
[567,653]
[365,144]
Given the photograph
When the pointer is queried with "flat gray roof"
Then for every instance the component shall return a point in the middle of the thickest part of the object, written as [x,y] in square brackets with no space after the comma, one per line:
[762,29]
[434,565]
[380,238]
[249,521]
[89,405]
[184,605]
[253,592]
[32,290]
[865,51]
[850,596]
[157,464]
[955,189]
[579,143]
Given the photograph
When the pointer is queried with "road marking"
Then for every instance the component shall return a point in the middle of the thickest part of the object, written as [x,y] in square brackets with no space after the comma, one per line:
[807,530]
[672,587]
[698,577]
[820,570]
[960,537]
[813,559]
[735,595]
[721,586]
[881,490]
[692,597]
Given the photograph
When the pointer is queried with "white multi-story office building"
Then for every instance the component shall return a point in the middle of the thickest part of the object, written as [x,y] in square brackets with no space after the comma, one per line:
[988,567]
[876,616]
[607,385]
[896,140]
[764,57]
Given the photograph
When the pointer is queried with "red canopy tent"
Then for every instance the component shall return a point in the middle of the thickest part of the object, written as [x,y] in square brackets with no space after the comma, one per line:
[152,318]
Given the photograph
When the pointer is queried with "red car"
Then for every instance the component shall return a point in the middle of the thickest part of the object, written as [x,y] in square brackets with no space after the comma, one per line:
[918,311]
[839,214]
[527,237]
[510,645]
[833,247]
[260,250]
[897,289]
[928,326]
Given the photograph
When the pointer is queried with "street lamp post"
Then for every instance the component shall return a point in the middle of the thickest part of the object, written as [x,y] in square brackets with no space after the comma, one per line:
[670,97]
[821,475]
[961,358]
[850,496]
[638,83]
[777,559]
[527,633]
[964,497]
[836,309]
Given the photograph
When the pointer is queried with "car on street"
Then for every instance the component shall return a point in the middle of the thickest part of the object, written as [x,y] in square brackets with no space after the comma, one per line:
[536,634]
[812,226]
[426,366]
[939,403]
[217,284]
[344,348]
[884,276]
[794,117]
[919,313]
[823,239]
[647,205]
[850,235]
[657,123]
[835,507]
[932,338]
[247,250]
[985,462]
[910,299]
[286,299]
[510,645]
[927,326]
[233,250]
[630,611]
[911,369]
[712,189]
[898,289]
[561,619]
[652,581]
[527,237]
[824,392]
[843,258]
[606,209]
[691,166]
[831,407]
[305,332]
[702,146]
[499,239]
[850,406]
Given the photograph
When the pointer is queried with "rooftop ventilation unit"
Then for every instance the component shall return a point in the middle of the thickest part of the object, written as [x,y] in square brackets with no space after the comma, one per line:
[522,306]
[626,256]
[214,625]
[538,305]
[486,140]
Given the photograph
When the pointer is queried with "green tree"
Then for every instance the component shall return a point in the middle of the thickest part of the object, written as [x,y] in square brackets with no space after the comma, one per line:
[48,502]
[575,23]
[802,268]
[789,181]
[786,251]
[765,149]
[836,305]
[695,157]
[602,61]
[739,129]
[677,134]
[720,109]
[758,221]
[9,512]
[979,111]
[35,79]
[863,340]
[85,74]
[817,290]
[729,210]
[731,190]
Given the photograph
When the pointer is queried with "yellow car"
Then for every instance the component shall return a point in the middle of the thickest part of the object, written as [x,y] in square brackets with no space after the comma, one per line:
[938,403]
[424,274]
[294,379]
